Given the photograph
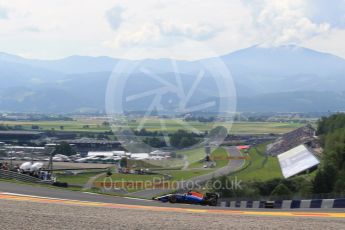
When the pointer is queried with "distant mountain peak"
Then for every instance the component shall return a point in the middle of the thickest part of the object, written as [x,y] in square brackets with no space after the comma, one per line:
[278,72]
[9,57]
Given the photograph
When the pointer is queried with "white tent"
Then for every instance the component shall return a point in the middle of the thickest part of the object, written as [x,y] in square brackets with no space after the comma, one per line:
[140,156]
[159,153]
[99,153]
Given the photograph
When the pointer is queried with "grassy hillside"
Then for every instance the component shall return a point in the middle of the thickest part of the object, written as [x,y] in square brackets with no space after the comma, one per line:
[219,155]
[259,166]
[79,179]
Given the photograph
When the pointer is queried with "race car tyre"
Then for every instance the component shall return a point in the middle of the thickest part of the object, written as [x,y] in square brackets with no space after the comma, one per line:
[213,202]
[172,199]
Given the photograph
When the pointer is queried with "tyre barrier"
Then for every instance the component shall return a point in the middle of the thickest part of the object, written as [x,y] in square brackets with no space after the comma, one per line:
[9,175]
[287,204]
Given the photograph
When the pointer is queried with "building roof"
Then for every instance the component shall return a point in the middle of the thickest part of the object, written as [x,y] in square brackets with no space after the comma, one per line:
[100,153]
[89,140]
[296,160]
[24,147]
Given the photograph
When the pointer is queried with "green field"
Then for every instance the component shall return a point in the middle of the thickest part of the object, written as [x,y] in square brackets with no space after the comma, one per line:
[79,179]
[259,167]
[193,155]
[76,126]
[127,180]
[153,124]
[235,128]
[220,155]
[176,175]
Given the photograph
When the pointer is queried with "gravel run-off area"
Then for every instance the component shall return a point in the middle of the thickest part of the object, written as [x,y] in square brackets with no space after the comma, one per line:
[30,215]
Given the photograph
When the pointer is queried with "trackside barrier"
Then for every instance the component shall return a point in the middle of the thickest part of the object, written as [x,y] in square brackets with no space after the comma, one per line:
[249,204]
[256,204]
[339,203]
[327,203]
[262,204]
[278,204]
[305,203]
[9,175]
[315,203]
[269,204]
[287,204]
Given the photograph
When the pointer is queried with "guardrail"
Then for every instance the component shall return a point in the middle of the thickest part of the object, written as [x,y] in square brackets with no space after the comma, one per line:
[5,174]
[287,204]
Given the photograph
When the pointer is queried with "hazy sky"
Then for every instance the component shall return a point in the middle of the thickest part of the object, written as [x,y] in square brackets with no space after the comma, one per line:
[58,28]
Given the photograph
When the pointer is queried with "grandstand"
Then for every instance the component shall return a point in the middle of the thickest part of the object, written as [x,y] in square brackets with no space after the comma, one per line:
[304,135]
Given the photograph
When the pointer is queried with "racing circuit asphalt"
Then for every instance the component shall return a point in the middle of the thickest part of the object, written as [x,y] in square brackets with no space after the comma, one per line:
[48,208]
[51,192]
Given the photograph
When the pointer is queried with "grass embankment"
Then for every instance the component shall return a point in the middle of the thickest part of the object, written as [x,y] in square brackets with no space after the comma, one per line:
[78,179]
[39,185]
[259,166]
[193,155]
[219,155]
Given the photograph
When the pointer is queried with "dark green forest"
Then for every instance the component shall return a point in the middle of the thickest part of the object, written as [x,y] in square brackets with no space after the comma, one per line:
[328,181]
[330,176]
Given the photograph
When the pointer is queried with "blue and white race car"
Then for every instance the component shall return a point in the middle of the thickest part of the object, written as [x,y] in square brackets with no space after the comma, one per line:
[190,197]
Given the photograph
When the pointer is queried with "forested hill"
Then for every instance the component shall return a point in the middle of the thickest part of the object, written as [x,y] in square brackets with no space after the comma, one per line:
[330,176]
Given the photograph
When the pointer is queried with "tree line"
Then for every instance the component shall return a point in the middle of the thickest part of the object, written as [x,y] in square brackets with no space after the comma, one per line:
[330,177]
[327,181]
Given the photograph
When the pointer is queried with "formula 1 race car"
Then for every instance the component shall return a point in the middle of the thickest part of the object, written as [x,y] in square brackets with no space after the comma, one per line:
[190,197]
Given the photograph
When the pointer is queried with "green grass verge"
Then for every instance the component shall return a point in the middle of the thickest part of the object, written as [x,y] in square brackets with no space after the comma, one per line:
[176,175]
[193,155]
[220,156]
[40,185]
[259,167]
[78,179]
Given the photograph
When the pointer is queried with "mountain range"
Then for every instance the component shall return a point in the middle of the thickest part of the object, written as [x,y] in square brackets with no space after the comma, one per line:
[276,79]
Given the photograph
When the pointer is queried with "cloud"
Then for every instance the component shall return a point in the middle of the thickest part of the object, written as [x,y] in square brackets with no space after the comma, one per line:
[114,17]
[333,13]
[3,13]
[284,21]
[162,33]
[147,34]
[195,31]
[224,26]
[32,29]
